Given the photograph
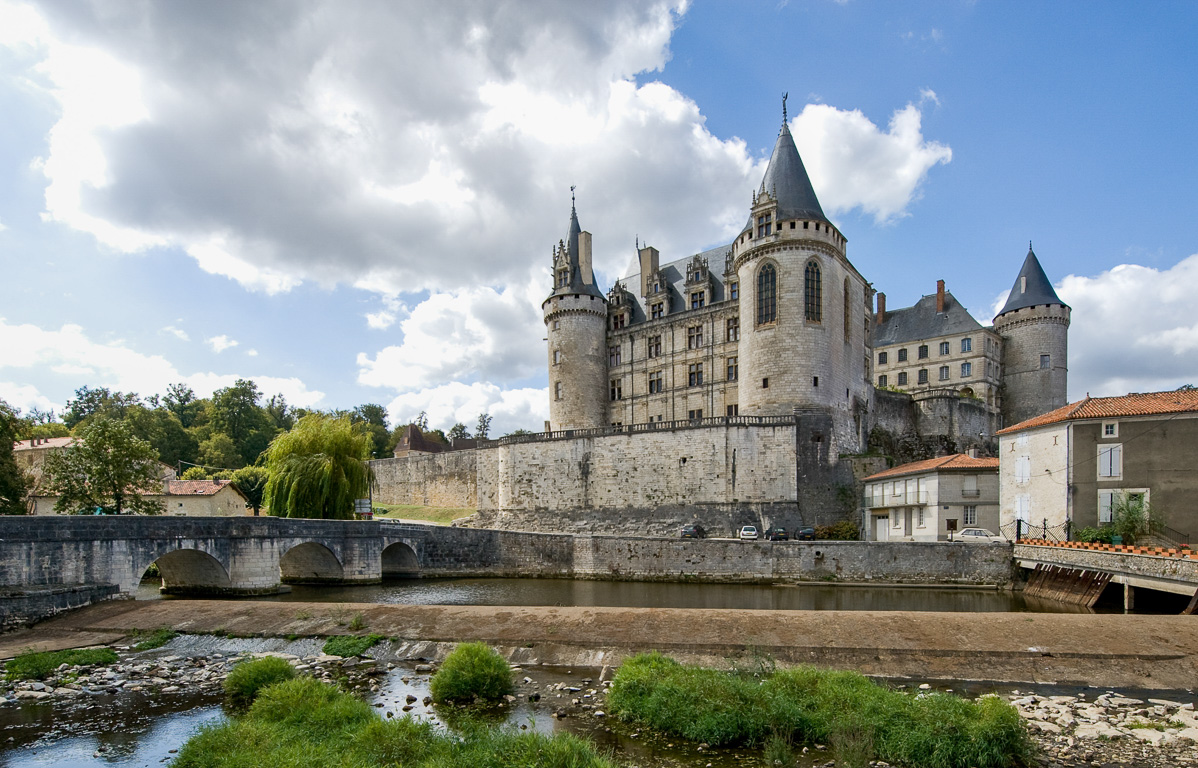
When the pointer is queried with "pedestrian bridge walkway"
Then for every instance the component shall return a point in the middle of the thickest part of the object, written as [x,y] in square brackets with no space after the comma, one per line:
[1158,568]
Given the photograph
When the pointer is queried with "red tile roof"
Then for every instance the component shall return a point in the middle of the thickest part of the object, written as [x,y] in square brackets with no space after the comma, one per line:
[42,442]
[194,487]
[1135,404]
[957,461]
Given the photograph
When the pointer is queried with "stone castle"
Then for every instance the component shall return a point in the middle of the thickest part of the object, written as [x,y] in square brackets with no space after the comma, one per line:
[751,383]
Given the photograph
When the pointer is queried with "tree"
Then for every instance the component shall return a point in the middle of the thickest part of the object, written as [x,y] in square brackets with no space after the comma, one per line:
[108,467]
[13,482]
[372,418]
[181,401]
[251,481]
[318,469]
[89,402]
[457,432]
[281,414]
[483,427]
[236,413]
[421,421]
[220,452]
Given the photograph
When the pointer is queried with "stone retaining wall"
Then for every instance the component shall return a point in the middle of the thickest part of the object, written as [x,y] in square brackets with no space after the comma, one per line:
[428,479]
[21,607]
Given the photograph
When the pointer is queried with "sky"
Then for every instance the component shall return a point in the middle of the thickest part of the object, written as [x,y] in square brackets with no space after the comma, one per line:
[354,202]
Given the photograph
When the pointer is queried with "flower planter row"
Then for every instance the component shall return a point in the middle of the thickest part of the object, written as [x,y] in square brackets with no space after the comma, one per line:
[1130,549]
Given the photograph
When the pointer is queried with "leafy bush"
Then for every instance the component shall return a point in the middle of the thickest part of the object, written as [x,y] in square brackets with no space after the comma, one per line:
[350,645]
[39,666]
[845,530]
[1094,535]
[470,671]
[861,719]
[247,678]
[1132,519]
[156,639]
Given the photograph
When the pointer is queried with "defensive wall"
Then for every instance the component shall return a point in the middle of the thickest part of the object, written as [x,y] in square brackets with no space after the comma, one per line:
[447,479]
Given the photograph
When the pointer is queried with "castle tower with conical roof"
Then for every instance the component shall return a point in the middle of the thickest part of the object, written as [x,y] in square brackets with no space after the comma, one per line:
[576,323]
[1034,324]
[804,309]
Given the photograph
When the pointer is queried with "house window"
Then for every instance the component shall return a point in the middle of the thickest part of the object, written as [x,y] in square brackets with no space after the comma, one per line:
[923,351]
[697,413]
[733,329]
[882,380]
[655,382]
[1110,461]
[902,355]
[812,292]
[557,356]
[657,310]
[734,290]
[1106,500]
[966,370]
[767,294]
[734,410]
[694,337]
[617,389]
[1023,469]
[694,374]
[969,485]
[733,369]
[894,518]
[971,514]
[881,358]
[557,390]
[944,373]
[617,321]
[1110,429]
[967,346]
[764,225]
[654,345]
[923,375]
[697,299]
[919,517]
[944,348]
[902,379]
[613,355]
[1045,362]
[1023,507]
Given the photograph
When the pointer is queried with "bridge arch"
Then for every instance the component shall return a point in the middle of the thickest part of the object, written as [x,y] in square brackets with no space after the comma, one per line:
[400,560]
[310,563]
[191,571]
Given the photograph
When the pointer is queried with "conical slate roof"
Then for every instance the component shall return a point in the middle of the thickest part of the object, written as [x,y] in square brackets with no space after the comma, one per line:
[1032,287]
[787,180]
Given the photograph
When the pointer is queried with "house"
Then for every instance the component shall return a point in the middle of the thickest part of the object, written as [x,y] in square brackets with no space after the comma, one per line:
[917,501]
[30,455]
[1067,466]
[190,498]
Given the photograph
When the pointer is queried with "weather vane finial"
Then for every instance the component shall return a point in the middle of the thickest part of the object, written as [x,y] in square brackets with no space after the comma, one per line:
[571,194]
[784,95]
[1029,245]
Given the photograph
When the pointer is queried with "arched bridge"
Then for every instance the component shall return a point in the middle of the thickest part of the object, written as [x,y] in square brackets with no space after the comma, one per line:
[244,556]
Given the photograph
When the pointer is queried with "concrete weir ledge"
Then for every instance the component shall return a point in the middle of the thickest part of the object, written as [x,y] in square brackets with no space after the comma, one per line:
[1109,651]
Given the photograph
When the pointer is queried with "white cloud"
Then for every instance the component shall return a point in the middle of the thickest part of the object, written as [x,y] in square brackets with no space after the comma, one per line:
[456,402]
[251,353]
[385,317]
[2,227]
[178,333]
[221,343]
[26,397]
[68,352]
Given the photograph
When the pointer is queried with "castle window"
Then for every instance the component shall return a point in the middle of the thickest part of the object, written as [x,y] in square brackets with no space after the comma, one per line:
[881,358]
[882,380]
[792,225]
[697,299]
[617,321]
[698,276]
[902,379]
[923,351]
[655,382]
[944,348]
[733,328]
[944,373]
[557,356]
[902,356]
[613,355]
[697,413]
[654,345]
[557,324]
[966,370]
[733,410]
[765,383]
[557,390]
[805,223]
[967,345]
[658,310]
[815,381]
[563,278]
[1045,362]
[733,369]
[694,337]
[923,375]
[657,287]
[617,389]
[764,227]
[848,322]
[694,374]
[812,292]
[767,295]
[734,291]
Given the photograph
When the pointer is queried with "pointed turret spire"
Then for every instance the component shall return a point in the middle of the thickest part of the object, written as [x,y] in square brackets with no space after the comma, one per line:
[787,181]
[1032,287]
[576,249]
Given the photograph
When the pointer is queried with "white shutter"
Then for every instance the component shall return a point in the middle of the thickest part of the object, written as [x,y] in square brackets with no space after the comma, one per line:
[1023,507]
[1023,469]
[1104,505]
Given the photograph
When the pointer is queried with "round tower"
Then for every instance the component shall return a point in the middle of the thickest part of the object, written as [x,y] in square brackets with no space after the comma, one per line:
[1034,324]
[803,306]
[576,326]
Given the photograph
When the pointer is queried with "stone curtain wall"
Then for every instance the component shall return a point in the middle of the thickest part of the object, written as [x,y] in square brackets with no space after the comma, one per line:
[428,479]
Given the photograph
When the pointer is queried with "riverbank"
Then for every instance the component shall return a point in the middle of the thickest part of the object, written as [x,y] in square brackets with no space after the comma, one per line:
[1109,651]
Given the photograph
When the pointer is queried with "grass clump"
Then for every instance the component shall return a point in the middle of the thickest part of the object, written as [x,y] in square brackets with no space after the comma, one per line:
[39,666]
[861,720]
[350,645]
[471,671]
[247,678]
[309,724]
[148,641]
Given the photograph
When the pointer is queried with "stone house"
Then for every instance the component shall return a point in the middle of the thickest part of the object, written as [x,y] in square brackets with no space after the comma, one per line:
[30,455]
[190,498]
[916,501]
[1070,464]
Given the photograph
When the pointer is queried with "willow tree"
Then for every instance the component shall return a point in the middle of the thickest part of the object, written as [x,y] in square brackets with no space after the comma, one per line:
[318,469]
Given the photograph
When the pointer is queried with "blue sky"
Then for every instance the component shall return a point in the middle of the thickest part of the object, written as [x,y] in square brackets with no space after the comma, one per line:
[353,202]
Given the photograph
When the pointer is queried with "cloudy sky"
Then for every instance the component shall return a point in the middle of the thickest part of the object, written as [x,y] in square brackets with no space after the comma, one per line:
[356,202]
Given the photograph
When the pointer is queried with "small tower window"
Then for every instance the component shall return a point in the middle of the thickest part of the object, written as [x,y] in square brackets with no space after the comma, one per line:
[848,322]
[764,225]
[557,390]
[767,295]
[557,356]
[812,292]
[1045,362]
[765,383]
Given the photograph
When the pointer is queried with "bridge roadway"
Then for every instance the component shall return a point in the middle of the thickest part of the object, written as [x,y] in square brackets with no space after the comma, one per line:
[1178,575]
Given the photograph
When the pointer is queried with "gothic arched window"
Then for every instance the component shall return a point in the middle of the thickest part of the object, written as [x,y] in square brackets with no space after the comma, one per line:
[812,292]
[767,294]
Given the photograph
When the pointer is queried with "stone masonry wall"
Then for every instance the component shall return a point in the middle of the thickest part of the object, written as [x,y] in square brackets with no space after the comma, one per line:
[428,479]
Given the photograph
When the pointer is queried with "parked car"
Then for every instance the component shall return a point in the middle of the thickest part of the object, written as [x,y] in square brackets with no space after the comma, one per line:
[748,532]
[777,534]
[979,536]
[805,534]
[693,531]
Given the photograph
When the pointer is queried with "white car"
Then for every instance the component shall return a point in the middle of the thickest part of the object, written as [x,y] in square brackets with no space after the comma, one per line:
[979,536]
[748,532]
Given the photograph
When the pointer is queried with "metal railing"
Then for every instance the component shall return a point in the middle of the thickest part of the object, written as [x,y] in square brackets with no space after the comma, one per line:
[1175,537]
[1023,529]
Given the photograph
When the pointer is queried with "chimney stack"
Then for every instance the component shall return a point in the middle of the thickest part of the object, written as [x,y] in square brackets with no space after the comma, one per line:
[939,295]
[881,318]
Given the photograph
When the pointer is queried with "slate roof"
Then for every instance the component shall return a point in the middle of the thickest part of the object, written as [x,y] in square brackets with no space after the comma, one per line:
[675,274]
[786,179]
[1135,404]
[1032,287]
[578,283]
[922,321]
[955,462]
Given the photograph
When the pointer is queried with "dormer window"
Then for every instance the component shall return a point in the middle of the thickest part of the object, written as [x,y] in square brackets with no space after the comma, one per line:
[617,321]
[764,225]
[698,299]
[563,278]
[657,310]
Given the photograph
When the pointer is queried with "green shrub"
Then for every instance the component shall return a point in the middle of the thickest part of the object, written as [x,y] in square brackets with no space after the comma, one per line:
[1094,535]
[470,671]
[350,645]
[247,678]
[845,530]
[39,666]
[150,640]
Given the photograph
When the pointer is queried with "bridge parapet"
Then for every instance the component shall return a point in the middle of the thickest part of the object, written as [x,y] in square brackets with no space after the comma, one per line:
[1178,575]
